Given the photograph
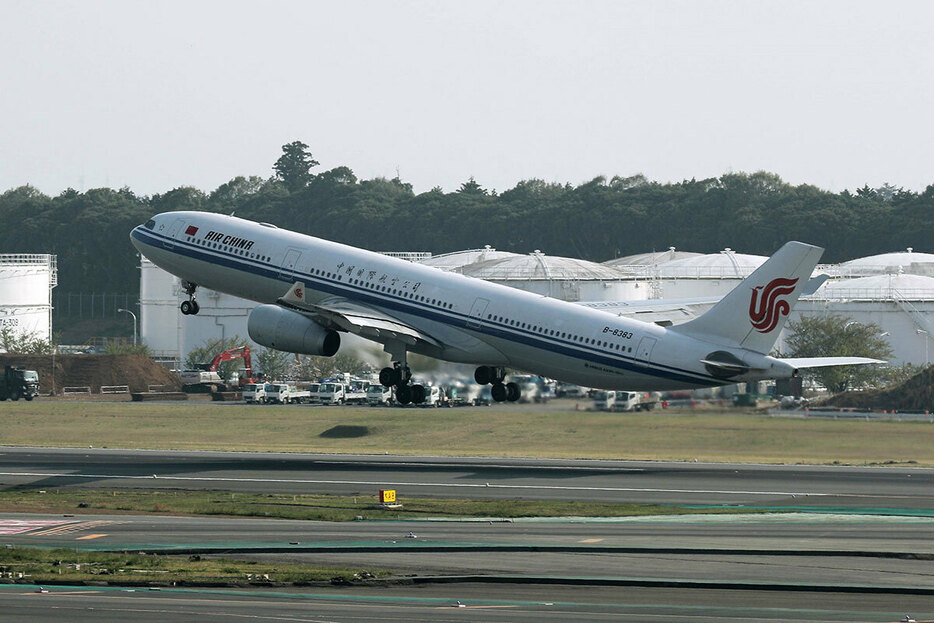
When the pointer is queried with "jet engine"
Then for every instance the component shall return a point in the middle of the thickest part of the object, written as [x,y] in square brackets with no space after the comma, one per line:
[276,327]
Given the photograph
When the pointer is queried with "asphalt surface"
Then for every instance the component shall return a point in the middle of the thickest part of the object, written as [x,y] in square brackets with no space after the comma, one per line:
[608,481]
[861,551]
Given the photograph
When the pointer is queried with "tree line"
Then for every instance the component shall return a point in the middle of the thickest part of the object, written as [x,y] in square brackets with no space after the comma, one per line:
[596,220]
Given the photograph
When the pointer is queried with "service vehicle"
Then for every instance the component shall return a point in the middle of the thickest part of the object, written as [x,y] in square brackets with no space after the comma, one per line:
[377,395]
[635,401]
[569,390]
[18,382]
[255,393]
[206,374]
[313,389]
[462,394]
[434,397]
[605,400]
[285,394]
[331,393]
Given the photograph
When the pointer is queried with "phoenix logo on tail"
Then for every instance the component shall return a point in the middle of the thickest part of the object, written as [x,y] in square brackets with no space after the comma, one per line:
[765,312]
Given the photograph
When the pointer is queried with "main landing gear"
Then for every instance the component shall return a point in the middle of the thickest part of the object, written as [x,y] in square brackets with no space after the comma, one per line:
[500,391]
[189,307]
[399,376]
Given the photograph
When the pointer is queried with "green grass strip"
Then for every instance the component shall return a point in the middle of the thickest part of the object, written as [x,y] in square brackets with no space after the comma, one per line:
[58,565]
[314,507]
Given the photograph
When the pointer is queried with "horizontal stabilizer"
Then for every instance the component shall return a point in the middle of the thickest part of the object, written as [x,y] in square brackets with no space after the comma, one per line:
[826,362]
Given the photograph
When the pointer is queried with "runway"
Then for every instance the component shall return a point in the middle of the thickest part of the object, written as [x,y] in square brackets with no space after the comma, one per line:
[861,551]
[772,486]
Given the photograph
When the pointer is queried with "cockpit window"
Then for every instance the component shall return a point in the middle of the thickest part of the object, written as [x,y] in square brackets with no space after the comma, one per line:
[150,224]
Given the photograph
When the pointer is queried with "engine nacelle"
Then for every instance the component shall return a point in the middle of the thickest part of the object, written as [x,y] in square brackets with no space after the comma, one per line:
[276,327]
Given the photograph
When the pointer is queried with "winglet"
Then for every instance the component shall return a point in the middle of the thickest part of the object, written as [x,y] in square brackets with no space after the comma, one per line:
[296,294]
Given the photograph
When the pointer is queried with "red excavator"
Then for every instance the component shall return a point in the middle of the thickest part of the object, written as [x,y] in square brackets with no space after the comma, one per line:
[206,374]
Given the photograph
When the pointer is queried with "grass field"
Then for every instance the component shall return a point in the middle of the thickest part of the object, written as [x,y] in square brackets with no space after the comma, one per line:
[58,566]
[552,431]
[312,507]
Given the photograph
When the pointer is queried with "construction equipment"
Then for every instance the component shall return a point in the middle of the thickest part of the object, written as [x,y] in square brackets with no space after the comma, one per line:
[206,373]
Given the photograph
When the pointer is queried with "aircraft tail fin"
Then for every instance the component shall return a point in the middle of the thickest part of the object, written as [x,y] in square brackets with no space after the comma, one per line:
[753,314]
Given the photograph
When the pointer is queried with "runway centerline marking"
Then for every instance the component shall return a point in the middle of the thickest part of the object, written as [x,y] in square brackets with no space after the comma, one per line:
[383,483]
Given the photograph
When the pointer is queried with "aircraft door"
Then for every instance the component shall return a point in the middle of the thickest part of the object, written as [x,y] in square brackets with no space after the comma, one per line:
[476,312]
[173,233]
[289,263]
[644,350]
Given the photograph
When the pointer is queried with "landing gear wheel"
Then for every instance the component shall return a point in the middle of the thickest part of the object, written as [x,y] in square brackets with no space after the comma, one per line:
[489,374]
[418,394]
[189,307]
[498,392]
[512,392]
[404,394]
[388,377]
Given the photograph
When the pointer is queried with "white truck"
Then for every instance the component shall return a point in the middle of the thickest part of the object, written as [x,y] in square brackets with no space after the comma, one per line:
[433,396]
[254,393]
[313,388]
[378,395]
[284,394]
[569,390]
[330,393]
[623,401]
[605,400]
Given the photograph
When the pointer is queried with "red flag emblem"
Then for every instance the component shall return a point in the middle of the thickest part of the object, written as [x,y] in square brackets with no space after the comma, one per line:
[191,231]
[767,310]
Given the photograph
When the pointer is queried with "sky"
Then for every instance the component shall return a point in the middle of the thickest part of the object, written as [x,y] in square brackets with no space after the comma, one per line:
[154,95]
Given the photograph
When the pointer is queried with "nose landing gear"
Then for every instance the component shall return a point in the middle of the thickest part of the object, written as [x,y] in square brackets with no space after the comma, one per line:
[189,307]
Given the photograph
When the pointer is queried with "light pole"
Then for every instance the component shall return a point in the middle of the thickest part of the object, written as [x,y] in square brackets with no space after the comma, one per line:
[919,332]
[134,322]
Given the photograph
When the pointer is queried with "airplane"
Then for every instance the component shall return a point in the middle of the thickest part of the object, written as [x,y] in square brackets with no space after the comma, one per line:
[311,290]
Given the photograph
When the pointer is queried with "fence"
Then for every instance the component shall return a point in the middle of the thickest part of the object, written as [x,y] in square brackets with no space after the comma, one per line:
[69,391]
[93,305]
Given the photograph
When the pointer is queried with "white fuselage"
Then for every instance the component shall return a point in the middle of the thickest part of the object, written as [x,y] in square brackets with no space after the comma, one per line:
[474,321]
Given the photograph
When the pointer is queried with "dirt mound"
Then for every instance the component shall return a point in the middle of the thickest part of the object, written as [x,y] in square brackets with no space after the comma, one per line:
[137,371]
[916,395]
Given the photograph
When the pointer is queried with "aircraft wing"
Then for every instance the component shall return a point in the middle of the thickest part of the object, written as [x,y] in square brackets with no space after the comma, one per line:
[665,312]
[354,317]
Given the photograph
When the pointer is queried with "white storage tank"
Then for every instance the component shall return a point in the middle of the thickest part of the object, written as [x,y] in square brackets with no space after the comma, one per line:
[26,282]
[714,274]
[459,259]
[562,278]
[907,261]
[169,334]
